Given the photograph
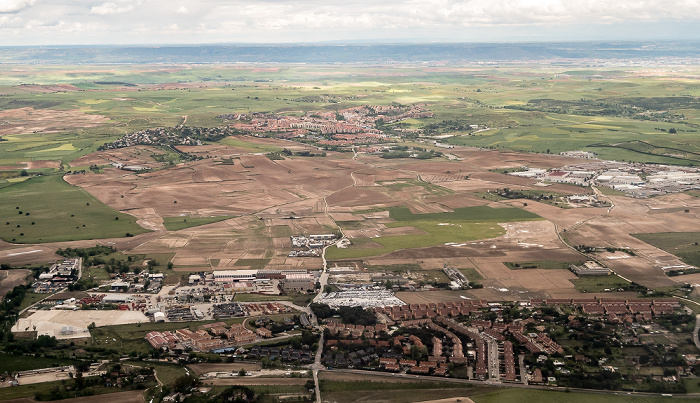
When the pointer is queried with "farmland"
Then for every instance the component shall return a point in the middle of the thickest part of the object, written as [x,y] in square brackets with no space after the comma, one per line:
[229,205]
[462,225]
[72,214]
[681,244]
[233,202]
[178,223]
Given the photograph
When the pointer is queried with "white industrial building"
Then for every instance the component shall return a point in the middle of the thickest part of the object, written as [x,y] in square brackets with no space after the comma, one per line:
[230,276]
[117,299]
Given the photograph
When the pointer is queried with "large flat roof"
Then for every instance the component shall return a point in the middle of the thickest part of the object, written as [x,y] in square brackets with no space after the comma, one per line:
[246,272]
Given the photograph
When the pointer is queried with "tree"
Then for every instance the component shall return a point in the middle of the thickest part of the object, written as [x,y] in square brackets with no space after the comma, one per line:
[184,383]
[79,381]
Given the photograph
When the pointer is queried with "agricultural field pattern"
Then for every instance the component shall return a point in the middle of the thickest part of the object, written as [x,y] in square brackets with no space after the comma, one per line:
[440,183]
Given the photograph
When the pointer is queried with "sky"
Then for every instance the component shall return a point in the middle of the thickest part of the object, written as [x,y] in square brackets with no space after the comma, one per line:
[121,22]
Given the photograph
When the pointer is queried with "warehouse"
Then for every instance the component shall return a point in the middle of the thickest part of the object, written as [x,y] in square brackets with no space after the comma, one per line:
[231,276]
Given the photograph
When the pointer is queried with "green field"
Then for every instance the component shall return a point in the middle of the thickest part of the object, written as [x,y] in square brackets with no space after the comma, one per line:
[682,244]
[72,214]
[539,396]
[178,223]
[569,119]
[97,273]
[248,146]
[395,268]
[540,264]
[461,225]
[609,137]
[31,298]
[166,373]
[551,198]
[599,283]
[255,264]
[32,390]
[471,274]
[431,188]
[13,363]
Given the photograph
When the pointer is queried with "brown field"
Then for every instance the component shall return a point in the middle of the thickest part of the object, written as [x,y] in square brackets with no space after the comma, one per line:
[450,400]
[43,88]
[28,120]
[261,195]
[134,396]
[634,216]
[10,279]
[136,155]
[38,164]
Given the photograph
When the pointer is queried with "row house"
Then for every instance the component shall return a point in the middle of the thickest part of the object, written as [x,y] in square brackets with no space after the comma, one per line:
[509,361]
[437,346]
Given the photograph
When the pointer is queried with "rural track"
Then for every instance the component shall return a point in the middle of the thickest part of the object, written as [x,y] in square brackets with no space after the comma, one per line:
[323,280]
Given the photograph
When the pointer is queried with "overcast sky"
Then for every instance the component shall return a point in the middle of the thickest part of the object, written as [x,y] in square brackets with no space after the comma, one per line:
[58,22]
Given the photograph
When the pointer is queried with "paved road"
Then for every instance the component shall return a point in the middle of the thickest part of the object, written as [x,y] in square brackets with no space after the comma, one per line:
[493,364]
[318,366]
[523,370]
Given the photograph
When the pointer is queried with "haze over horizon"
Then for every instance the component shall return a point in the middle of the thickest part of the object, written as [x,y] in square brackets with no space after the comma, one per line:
[159,22]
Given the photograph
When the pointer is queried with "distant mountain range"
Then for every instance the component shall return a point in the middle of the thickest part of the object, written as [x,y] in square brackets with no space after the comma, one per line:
[348,53]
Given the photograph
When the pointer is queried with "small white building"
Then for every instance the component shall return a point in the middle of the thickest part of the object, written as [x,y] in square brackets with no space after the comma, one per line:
[159,317]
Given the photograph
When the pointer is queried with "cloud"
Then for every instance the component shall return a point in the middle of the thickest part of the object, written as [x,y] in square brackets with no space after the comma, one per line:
[111,8]
[202,21]
[13,6]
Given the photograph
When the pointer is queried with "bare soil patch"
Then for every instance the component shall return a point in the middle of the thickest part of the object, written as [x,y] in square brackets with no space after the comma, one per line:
[459,200]
[140,155]
[28,120]
[9,279]
[354,197]
[39,164]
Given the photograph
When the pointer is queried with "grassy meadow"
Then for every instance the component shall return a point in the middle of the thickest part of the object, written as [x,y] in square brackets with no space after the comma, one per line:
[461,225]
[682,244]
[599,283]
[47,209]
